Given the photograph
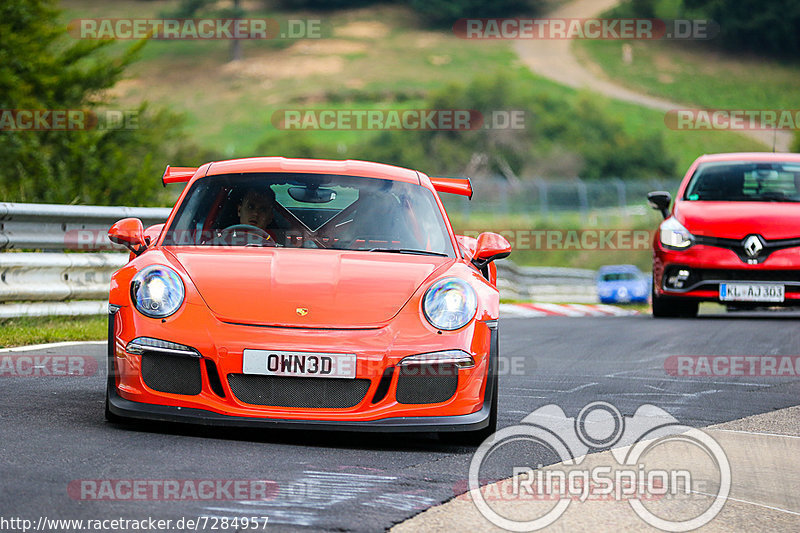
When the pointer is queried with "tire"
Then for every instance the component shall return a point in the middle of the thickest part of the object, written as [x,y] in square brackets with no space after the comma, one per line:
[673,307]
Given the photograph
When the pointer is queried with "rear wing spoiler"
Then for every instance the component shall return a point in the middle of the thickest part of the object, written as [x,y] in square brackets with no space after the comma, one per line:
[177,175]
[460,186]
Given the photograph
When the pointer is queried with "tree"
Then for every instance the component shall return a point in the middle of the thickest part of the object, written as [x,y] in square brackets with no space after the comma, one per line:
[42,68]
[191,8]
[767,27]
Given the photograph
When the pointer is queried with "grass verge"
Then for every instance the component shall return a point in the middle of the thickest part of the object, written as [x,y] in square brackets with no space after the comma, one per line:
[37,330]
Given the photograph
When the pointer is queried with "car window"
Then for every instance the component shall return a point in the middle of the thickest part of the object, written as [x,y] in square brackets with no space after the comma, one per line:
[310,211]
[619,276]
[745,182]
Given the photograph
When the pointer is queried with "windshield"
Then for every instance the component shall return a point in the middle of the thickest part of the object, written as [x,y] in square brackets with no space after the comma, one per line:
[619,276]
[745,182]
[310,211]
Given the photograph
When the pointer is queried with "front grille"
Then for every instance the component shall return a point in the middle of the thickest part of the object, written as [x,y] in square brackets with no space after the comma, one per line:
[698,277]
[279,391]
[427,383]
[748,275]
[175,374]
[738,246]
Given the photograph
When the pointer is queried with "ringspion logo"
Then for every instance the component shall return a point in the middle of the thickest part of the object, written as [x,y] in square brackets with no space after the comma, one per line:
[652,457]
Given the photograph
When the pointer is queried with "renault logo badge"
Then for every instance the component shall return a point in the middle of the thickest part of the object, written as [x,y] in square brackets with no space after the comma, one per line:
[753,245]
[302,311]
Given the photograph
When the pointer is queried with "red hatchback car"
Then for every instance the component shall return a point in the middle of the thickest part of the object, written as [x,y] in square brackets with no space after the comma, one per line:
[733,235]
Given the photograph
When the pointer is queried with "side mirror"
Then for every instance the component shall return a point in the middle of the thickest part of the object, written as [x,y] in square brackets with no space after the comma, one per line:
[660,200]
[128,232]
[490,247]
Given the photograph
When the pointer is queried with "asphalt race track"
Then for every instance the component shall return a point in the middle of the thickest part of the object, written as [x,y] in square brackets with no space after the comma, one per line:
[52,430]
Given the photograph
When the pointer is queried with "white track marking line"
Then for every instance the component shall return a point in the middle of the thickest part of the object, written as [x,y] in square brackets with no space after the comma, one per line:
[49,345]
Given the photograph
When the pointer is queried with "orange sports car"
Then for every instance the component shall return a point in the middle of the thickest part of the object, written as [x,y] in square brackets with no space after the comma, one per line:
[303,293]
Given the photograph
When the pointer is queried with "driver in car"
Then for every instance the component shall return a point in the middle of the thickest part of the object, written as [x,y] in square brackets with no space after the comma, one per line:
[256,209]
[255,212]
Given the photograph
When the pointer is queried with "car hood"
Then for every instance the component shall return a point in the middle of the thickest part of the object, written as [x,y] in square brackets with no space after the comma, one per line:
[736,220]
[305,287]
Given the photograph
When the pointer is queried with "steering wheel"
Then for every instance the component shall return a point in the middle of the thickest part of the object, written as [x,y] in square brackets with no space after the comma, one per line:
[247,229]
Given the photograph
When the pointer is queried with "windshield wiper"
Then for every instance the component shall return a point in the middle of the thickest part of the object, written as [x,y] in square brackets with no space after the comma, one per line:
[406,251]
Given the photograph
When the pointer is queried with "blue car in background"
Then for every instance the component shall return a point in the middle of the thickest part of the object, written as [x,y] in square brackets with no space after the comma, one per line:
[622,284]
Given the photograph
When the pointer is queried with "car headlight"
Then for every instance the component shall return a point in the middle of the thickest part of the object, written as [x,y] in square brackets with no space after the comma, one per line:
[449,304]
[157,291]
[674,235]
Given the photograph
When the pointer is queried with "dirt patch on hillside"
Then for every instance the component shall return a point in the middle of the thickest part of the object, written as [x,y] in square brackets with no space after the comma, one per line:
[362,30]
[283,66]
[327,47]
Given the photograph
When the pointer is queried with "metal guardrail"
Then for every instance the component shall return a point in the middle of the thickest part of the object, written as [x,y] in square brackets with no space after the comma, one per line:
[546,284]
[41,284]
[67,227]
[58,283]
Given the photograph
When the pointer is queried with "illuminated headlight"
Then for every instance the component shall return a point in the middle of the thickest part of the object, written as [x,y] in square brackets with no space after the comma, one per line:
[157,291]
[449,304]
[674,235]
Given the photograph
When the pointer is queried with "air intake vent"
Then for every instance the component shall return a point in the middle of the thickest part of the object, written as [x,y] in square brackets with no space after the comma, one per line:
[427,383]
[175,374]
[327,393]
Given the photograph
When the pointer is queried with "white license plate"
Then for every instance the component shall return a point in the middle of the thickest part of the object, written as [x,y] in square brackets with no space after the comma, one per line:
[751,292]
[303,364]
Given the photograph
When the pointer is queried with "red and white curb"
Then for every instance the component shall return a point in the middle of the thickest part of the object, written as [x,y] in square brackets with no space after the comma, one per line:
[536,310]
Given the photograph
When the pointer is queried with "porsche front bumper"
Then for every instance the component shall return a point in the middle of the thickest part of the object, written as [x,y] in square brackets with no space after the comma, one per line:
[130,397]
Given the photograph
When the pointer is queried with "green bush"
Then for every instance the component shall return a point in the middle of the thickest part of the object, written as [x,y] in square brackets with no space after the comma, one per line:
[767,27]
[556,128]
